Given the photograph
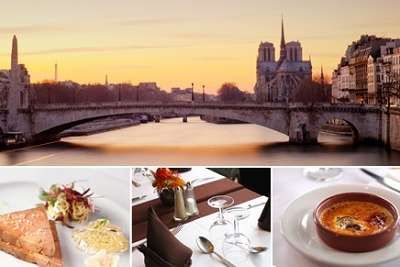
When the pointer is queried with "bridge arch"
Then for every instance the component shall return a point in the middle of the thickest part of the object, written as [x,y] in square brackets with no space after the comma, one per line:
[49,122]
[324,121]
[57,129]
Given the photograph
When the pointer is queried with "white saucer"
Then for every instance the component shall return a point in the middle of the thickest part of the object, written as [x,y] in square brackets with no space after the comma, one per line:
[298,228]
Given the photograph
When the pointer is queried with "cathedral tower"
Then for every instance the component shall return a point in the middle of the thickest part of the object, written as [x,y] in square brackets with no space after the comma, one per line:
[283,42]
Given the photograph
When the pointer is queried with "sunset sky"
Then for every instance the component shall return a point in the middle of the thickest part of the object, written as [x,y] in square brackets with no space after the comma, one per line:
[176,42]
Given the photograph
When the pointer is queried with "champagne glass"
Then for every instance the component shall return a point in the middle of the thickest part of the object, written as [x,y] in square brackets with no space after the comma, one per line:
[221,225]
[236,244]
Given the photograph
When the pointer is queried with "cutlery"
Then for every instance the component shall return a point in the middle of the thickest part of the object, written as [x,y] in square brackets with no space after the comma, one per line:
[249,206]
[139,197]
[207,247]
[177,229]
[135,184]
[201,179]
[252,249]
[390,183]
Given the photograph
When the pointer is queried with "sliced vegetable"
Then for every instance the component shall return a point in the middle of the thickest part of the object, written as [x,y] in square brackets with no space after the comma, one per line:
[100,235]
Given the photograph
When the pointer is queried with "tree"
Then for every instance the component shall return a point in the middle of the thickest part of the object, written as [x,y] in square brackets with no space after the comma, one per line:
[230,93]
[310,91]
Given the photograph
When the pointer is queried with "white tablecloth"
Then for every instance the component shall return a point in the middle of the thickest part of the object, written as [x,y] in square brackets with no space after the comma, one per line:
[289,184]
[193,229]
[198,227]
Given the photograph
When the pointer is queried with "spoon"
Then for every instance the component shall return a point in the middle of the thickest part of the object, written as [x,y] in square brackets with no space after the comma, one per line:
[252,249]
[207,247]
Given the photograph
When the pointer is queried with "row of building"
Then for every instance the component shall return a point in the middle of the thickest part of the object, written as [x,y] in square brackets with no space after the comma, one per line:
[368,65]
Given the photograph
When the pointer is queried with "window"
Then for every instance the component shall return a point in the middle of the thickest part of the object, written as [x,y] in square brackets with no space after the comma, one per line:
[21,98]
[265,54]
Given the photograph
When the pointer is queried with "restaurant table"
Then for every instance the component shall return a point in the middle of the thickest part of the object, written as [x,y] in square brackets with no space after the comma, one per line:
[199,225]
[288,185]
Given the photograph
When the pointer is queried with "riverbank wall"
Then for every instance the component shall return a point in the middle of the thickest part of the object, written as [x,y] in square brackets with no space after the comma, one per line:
[394,129]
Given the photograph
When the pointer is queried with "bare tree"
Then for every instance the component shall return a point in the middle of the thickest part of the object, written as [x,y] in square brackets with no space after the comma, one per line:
[230,93]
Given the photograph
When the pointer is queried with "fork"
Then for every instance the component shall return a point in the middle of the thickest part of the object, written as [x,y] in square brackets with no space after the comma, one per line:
[177,229]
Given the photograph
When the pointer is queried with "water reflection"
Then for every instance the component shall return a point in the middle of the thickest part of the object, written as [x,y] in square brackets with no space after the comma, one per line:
[198,143]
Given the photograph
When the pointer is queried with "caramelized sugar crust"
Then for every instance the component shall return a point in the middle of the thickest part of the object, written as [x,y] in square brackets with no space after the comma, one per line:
[356,218]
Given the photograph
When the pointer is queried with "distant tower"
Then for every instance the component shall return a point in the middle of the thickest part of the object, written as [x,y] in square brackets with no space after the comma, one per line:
[106,81]
[283,42]
[322,76]
[56,72]
[14,54]
[13,103]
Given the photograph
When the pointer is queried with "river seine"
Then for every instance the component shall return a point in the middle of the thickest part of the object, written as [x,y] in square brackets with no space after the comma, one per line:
[172,142]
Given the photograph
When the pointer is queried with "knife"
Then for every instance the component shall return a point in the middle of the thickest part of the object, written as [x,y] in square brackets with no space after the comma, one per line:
[249,206]
[139,197]
[390,183]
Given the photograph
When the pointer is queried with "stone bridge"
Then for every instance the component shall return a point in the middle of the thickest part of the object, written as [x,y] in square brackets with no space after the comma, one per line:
[300,122]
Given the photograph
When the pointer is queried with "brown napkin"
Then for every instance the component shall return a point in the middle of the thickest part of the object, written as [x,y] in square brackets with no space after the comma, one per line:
[264,222]
[162,243]
[152,259]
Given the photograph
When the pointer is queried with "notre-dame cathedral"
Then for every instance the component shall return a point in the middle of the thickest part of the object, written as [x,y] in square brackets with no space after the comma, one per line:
[277,81]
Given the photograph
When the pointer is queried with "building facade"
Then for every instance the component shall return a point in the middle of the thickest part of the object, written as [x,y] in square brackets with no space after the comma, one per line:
[278,80]
[360,75]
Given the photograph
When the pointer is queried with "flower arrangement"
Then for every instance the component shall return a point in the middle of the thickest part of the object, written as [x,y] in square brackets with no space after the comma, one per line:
[167,179]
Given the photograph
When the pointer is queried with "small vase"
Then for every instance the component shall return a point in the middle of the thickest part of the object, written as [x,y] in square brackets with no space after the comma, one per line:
[167,197]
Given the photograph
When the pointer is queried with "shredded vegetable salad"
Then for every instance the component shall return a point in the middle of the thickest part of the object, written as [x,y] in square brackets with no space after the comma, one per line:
[101,235]
[63,203]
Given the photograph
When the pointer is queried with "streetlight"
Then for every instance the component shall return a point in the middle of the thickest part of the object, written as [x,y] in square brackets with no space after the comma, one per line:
[192,92]
[204,94]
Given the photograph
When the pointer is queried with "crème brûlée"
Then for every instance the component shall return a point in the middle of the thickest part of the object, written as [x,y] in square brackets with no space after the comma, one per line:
[356,218]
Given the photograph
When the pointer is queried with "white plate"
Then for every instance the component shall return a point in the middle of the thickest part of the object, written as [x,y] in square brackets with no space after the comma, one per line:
[298,228]
[22,195]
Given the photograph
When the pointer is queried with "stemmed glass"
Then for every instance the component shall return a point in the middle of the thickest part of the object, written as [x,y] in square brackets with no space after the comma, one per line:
[322,174]
[139,173]
[236,244]
[221,225]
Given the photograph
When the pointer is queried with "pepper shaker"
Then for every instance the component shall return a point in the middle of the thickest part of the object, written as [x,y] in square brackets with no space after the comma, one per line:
[190,201]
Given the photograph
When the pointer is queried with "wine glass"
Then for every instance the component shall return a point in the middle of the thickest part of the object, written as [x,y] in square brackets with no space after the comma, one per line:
[236,244]
[221,225]
[323,174]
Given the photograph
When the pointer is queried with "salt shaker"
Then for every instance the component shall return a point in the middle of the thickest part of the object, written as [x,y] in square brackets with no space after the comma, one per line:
[180,211]
[190,201]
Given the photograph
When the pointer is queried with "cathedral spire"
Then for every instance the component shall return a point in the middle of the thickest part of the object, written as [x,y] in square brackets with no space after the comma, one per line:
[283,42]
[14,53]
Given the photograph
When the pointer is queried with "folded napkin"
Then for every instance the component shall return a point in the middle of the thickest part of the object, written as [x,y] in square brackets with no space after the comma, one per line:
[163,248]
[152,259]
[264,222]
